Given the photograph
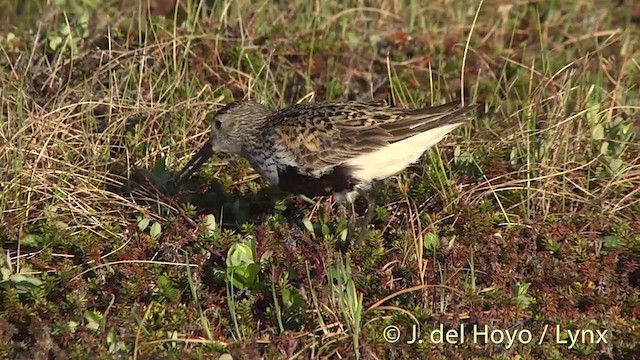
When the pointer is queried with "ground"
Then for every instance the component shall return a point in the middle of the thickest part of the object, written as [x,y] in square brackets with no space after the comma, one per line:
[516,237]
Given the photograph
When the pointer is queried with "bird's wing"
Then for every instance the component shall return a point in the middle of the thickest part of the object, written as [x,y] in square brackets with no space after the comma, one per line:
[321,136]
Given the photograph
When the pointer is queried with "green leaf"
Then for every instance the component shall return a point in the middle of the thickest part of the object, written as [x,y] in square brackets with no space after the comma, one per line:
[592,112]
[111,337]
[210,223]
[598,132]
[16,278]
[615,165]
[6,273]
[291,297]
[523,288]
[243,277]
[307,199]
[164,281]
[155,231]
[513,156]
[325,230]
[242,271]
[239,255]
[24,283]
[309,226]
[343,234]
[431,241]
[287,299]
[143,223]
[72,326]
[166,288]
[280,206]
[59,225]
[94,320]
[54,42]
[604,148]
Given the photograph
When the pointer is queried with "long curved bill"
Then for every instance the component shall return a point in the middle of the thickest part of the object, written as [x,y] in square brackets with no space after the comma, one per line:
[196,161]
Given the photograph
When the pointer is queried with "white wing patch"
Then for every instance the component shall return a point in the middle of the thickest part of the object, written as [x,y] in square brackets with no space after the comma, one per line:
[394,158]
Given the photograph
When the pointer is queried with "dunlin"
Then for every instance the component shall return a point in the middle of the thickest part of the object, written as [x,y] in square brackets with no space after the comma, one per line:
[338,148]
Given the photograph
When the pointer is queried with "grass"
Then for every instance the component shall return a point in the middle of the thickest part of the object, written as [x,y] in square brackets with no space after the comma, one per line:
[525,221]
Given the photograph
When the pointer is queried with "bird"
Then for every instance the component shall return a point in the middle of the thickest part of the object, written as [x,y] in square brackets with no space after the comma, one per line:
[328,148]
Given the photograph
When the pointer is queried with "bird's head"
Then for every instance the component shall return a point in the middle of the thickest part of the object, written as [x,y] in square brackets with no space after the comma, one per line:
[233,126]
[236,124]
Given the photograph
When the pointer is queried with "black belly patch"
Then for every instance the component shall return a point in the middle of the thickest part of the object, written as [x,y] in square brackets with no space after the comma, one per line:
[337,180]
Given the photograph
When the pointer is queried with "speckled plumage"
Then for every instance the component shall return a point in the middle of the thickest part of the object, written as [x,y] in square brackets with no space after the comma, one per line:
[312,148]
[337,149]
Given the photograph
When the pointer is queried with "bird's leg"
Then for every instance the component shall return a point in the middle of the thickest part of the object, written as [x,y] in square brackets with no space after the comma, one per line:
[352,225]
[343,210]
[368,215]
[350,219]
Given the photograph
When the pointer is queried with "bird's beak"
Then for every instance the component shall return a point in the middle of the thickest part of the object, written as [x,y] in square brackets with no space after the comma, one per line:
[194,163]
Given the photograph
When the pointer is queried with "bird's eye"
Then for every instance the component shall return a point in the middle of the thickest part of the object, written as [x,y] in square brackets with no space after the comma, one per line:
[217,124]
